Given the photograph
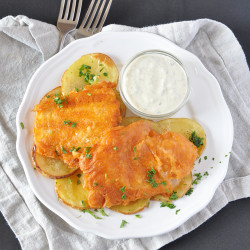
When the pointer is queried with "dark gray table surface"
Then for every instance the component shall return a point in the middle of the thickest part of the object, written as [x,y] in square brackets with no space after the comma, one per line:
[229,228]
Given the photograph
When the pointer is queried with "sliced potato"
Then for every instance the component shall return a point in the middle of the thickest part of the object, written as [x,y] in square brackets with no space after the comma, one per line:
[183,126]
[132,208]
[182,188]
[51,168]
[71,192]
[122,105]
[98,67]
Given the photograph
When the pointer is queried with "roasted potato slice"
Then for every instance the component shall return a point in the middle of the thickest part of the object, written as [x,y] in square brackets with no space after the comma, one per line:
[182,188]
[51,168]
[89,69]
[71,192]
[132,208]
[183,126]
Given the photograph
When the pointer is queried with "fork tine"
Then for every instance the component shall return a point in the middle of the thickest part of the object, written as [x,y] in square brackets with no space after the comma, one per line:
[87,14]
[93,15]
[78,10]
[67,10]
[61,9]
[104,17]
[72,12]
[98,15]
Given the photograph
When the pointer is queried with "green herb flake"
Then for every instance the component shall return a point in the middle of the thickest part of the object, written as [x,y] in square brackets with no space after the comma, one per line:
[34,168]
[105,175]
[190,191]
[134,149]
[123,223]
[136,158]
[167,204]
[173,196]
[88,94]
[103,212]
[123,133]
[79,175]
[137,216]
[226,155]
[78,182]
[76,89]
[74,149]
[73,124]
[63,150]
[48,96]
[177,211]
[70,181]
[22,125]
[101,69]
[83,204]
[213,159]
[196,140]
[150,177]
[200,160]
[66,122]
[87,154]
[219,161]
[206,173]
[123,191]
[115,148]
[205,157]
[57,154]
[59,102]
[95,184]
[91,213]
[163,183]
[100,64]
[148,204]
[105,74]
[198,178]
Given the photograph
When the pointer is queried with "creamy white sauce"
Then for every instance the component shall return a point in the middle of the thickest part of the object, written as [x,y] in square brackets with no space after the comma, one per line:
[154,84]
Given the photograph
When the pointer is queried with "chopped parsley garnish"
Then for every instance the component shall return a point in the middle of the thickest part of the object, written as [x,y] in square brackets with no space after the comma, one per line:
[101,69]
[177,211]
[87,154]
[92,213]
[76,89]
[78,182]
[226,155]
[88,94]
[59,102]
[163,183]
[70,181]
[22,125]
[123,133]
[136,158]
[57,154]
[213,159]
[85,72]
[137,216]
[205,157]
[196,140]
[105,74]
[95,184]
[63,150]
[167,204]
[150,177]
[200,160]
[103,212]
[148,204]
[83,204]
[173,196]
[198,178]
[74,149]
[190,191]
[134,149]
[100,64]
[66,122]
[73,124]
[115,148]
[105,175]
[48,96]
[123,223]
[79,175]
[206,173]
[123,191]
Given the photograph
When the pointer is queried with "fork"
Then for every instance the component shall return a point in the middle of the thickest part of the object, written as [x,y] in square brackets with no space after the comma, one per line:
[67,22]
[88,30]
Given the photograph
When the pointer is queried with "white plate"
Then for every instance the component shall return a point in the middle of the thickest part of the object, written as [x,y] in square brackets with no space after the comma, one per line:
[206,105]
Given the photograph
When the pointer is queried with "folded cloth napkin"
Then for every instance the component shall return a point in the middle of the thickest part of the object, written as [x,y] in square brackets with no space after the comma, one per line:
[27,43]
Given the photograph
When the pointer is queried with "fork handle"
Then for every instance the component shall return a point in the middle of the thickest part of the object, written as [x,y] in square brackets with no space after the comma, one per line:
[62,37]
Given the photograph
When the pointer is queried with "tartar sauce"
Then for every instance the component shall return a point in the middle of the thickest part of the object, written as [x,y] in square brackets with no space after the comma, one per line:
[154,84]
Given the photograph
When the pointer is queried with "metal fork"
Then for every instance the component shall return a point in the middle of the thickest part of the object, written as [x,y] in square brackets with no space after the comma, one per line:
[88,30]
[67,22]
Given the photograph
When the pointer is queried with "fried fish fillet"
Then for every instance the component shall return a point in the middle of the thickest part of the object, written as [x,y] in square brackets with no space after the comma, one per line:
[135,162]
[66,125]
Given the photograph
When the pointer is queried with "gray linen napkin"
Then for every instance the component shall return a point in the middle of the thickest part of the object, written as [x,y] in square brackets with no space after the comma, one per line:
[26,44]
